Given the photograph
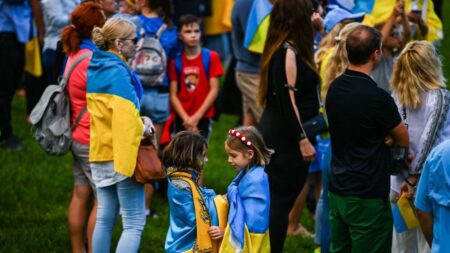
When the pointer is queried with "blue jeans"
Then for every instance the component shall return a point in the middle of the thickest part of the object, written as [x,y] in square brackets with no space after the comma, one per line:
[155,105]
[129,197]
[323,225]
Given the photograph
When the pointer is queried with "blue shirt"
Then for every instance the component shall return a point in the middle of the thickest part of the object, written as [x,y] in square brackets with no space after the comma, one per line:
[247,61]
[56,17]
[17,19]
[433,195]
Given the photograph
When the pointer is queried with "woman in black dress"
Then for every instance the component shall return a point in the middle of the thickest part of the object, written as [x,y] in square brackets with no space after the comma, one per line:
[289,83]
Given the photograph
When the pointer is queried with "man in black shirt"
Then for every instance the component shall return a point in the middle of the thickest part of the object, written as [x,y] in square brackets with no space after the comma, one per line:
[361,116]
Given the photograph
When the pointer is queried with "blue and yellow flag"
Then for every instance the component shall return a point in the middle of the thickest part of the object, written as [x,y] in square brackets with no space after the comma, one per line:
[33,63]
[248,217]
[379,11]
[113,93]
[257,26]
[403,215]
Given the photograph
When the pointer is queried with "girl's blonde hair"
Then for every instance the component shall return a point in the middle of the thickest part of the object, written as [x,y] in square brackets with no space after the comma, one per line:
[262,153]
[338,59]
[418,69]
[326,43]
[114,28]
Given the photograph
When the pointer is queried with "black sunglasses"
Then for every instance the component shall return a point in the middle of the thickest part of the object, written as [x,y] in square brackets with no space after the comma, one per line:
[134,40]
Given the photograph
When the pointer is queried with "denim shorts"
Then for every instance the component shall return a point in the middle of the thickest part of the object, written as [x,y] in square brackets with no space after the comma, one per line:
[155,105]
[81,168]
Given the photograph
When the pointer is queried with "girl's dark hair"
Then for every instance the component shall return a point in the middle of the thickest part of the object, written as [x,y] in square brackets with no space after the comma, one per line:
[261,152]
[290,20]
[185,151]
[83,20]
[163,8]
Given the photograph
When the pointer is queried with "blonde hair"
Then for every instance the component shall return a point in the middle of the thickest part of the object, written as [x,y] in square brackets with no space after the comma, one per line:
[418,69]
[326,43]
[338,59]
[114,28]
[262,153]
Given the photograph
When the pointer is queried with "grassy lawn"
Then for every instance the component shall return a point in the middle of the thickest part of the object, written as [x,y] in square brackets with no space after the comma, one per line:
[36,189]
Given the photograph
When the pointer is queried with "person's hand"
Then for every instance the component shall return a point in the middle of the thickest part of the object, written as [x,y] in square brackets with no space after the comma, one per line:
[399,8]
[388,140]
[149,127]
[317,22]
[191,123]
[307,150]
[415,17]
[407,189]
[216,232]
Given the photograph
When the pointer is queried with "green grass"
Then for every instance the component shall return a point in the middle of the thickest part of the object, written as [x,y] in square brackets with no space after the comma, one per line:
[35,189]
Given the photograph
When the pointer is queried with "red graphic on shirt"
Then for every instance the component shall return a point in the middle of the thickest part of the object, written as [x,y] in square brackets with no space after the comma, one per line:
[191,77]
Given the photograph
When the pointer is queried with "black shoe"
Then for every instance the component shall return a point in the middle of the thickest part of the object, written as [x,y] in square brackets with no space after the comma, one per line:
[12,143]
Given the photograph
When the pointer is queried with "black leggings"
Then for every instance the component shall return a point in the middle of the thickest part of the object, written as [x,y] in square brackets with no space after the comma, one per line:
[12,62]
[287,174]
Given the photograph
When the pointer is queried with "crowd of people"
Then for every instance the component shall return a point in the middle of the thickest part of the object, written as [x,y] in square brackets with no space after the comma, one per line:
[342,109]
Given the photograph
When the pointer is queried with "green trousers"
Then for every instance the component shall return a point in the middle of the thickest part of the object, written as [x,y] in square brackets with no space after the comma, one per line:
[360,225]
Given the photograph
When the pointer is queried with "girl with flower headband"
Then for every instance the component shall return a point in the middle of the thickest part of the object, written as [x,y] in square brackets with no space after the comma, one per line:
[195,212]
[248,194]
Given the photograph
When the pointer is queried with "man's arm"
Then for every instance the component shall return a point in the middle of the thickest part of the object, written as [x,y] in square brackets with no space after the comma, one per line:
[400,135]
[37,13]
[426,223]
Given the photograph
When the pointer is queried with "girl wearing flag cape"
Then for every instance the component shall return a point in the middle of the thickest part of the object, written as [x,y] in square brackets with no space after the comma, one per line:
[248,194]
[197,215]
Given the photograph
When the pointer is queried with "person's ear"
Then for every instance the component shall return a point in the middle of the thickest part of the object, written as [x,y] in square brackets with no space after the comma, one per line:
[377,55]
[117,43]
[250,154]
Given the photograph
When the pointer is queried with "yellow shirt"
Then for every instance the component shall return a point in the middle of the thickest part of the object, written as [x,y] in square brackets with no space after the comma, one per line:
[220,21]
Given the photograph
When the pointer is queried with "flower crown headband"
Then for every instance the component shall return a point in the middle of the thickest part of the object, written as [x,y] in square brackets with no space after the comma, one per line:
[242,138]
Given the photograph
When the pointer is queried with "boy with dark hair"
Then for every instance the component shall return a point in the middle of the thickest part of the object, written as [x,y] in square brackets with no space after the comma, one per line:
[194,83]
[360,213]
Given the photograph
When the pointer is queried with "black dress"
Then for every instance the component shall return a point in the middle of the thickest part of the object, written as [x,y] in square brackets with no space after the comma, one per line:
[281,131]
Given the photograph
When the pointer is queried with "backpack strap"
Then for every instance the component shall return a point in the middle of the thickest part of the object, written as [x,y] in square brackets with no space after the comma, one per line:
[66,80]
[72,68]
[206,61]
[160,31]
[178,66]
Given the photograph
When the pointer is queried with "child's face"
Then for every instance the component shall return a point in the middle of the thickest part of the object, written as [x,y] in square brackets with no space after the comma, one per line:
[203,159]
[239,160]
[190,35]
[124,8]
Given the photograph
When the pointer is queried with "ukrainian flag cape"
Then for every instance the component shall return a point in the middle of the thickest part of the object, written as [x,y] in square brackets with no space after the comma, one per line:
[403,215]
[113,94]
[379,11]
[257,26]
[192,211]
[248,219]
[383,8]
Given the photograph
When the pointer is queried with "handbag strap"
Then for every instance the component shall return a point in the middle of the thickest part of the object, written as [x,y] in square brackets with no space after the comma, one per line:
[319,98]
[294,89]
